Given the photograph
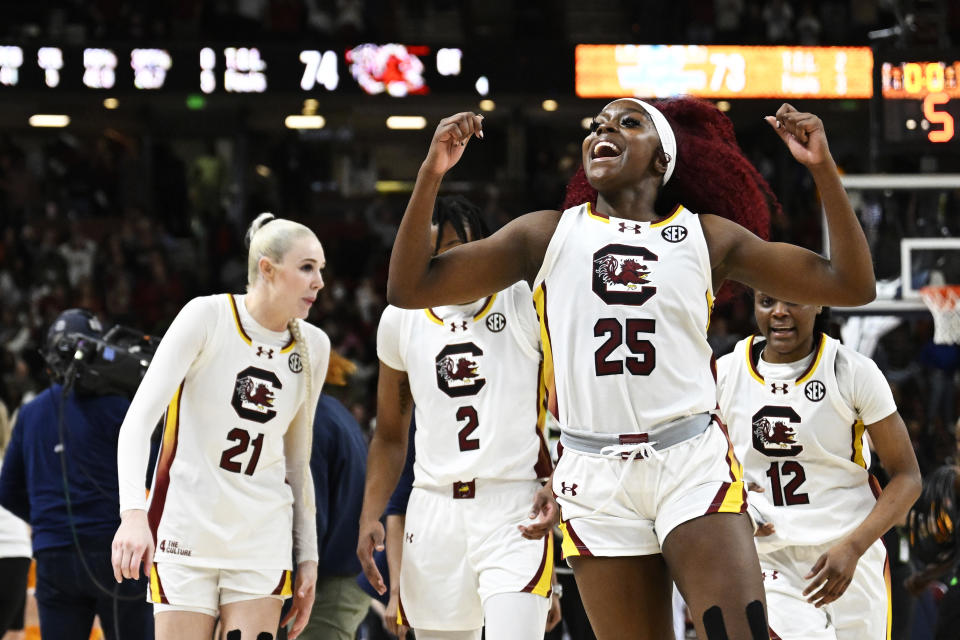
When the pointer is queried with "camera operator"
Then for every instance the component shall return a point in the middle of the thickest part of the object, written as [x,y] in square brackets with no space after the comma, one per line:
[60,475]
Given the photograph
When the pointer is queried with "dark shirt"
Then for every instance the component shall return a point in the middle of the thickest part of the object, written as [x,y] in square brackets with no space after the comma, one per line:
[339,466]
[32,480]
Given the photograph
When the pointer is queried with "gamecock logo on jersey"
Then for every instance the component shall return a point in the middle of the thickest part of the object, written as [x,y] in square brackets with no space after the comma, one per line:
[458,370]
[620,275]
[254,394]
[773,432]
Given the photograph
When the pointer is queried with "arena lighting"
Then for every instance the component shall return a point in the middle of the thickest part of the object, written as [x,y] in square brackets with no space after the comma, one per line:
[723,105]
[549,105]
[110,103]
[48,120]
[310,106]
[911,124]
[406,122]
[263,170]
[586,122]
[304,122]
[487,105]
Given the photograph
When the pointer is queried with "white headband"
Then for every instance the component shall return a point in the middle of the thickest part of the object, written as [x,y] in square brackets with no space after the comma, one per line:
[667,138]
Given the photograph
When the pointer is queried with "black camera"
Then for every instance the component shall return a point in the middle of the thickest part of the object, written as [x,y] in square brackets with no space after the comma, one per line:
[111,363]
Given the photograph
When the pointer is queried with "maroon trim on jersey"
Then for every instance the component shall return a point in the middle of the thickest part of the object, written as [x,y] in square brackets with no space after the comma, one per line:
[754,349]
[547,539]
[577,542]
[813,363]
[773,634]
[236,317]
[162,475]
[483,308]
[553,405]
[874,485]
[543,466]
[283,580]
[163,596]
[404,620]
[713,366]
[289,344]
[731,457]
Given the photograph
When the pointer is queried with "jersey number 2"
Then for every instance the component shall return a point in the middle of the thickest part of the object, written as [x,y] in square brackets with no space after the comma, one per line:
[469,414]
[787,494]
[641,366]
[242,436]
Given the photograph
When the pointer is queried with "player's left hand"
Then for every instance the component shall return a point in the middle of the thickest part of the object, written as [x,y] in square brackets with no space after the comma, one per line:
[555,614]
[304,591]
[831,574]
[803,134]
[544,514]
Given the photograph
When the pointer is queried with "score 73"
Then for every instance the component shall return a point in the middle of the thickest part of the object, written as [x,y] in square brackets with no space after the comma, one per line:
[320,68]
[731,66]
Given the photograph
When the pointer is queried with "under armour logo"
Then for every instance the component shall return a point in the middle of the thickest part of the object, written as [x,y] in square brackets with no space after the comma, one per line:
[268,352]
[572,489]
[772,575]
[454,327]
[636,228]
[408,537]
[778,388]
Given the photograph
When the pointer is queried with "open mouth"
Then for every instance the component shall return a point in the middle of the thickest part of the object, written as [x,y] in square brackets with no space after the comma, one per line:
[605,149]
[781,332]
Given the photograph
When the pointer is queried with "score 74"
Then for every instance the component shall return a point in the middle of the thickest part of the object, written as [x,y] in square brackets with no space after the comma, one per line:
[320,68]
[731,66]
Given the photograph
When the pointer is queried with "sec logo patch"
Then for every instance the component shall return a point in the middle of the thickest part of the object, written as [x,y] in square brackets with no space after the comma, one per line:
[674,233]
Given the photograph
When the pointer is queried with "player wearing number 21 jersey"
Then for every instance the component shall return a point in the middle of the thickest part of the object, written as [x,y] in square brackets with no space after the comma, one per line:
[798,405]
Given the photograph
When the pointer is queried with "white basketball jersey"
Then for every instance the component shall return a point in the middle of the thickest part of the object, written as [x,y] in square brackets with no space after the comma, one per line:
[219,496]
[624,308]
[802,438]
[474,376]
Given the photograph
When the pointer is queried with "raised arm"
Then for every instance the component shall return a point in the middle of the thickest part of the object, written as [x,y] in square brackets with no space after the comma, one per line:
[417,279]
[787,271]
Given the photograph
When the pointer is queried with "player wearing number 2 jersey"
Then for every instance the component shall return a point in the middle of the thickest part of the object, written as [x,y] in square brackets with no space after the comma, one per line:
[238,378]
[647,484]
[471,374]
[799,406]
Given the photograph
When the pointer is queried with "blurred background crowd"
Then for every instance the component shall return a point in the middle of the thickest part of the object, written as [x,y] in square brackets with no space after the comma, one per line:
[131,222]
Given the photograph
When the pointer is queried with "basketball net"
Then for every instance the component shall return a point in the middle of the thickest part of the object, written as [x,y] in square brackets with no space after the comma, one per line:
[944,304]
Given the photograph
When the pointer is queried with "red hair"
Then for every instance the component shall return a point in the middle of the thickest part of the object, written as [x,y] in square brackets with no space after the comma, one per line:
[712,174]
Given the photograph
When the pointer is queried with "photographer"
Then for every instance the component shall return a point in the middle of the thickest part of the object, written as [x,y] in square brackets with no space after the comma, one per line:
[60,475]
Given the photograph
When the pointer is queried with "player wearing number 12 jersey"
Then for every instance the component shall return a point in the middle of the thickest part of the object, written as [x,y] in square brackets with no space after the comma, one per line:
[471,374]
[236,379]
[799,406]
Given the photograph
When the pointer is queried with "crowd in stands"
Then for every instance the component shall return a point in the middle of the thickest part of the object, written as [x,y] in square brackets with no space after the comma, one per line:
[827,22]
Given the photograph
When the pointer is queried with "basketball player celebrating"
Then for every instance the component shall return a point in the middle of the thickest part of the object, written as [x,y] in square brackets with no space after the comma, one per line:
[470,371]
[648,484]
[798,405]
[239,377]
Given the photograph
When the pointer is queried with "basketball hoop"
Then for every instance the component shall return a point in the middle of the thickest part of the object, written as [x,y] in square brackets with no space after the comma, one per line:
[944,304]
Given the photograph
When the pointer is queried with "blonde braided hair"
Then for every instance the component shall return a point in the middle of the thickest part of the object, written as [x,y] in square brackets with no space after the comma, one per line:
[304,349]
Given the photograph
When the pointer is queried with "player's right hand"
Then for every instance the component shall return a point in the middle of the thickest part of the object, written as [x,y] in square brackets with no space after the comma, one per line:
[450,140]
[390,617]
[132,546]
[371,539]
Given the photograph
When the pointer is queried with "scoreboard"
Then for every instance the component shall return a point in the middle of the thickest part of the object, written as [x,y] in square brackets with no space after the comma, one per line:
[656,71]
[390,69]
[921,101]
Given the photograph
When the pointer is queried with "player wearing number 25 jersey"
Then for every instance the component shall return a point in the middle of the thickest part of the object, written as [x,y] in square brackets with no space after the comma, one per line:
[798,405]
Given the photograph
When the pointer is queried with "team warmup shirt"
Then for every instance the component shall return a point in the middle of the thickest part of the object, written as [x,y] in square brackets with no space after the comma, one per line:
[798,428]
[624,308]
[474,373]
[232,478]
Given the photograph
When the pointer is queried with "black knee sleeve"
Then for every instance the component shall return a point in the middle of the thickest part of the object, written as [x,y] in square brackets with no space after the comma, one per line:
[263,635]
[233,635]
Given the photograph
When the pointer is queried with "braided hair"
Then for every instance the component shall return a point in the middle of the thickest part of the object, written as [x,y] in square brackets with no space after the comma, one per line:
[271,237]
[461,214]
